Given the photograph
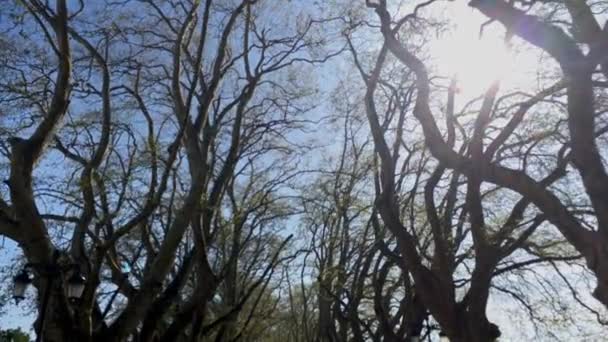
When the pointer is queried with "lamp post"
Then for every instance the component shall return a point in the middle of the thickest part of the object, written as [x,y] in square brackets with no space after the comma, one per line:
[20,284]
[74,289]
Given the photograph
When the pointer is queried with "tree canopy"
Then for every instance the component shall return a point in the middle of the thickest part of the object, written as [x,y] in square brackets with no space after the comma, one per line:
[276,170]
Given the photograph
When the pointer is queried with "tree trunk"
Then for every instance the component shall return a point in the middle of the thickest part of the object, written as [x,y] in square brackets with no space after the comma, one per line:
[54,323]
[326,328]
[471,328]
[599,265]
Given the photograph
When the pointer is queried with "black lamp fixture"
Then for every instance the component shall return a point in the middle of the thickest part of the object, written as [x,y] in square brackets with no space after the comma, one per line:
[76,284]
[20,283]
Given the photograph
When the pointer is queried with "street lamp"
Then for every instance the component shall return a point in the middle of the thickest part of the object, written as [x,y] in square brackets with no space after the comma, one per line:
[21,282]
[76,285]
[74,290]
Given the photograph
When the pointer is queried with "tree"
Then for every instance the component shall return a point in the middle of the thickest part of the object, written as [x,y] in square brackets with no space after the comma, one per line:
[578,70]
[167,117]
[13,335]
[481,164]
[584,110]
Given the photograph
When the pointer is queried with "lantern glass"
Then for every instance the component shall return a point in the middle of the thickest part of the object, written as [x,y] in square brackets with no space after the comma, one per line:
[21,282]
[444,339]
[75,286]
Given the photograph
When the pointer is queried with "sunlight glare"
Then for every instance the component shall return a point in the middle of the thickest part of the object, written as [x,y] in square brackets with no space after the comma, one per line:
[477,64]
[479,60]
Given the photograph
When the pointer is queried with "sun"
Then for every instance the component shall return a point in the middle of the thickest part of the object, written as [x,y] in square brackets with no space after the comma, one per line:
[478,64]
[477,60]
